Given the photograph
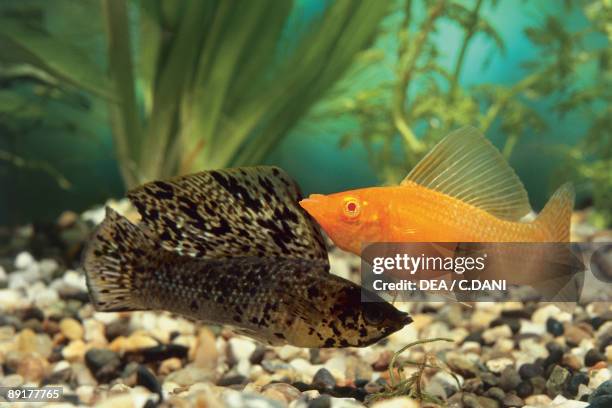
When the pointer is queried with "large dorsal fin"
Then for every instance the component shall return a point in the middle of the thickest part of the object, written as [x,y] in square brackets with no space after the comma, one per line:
[465,165]
[238,212]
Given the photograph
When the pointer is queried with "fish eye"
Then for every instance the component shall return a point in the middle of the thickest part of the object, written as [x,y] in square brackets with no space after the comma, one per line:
[372,314]
[352,207]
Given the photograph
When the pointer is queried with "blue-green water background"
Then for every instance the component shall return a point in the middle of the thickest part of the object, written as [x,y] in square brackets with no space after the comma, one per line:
[310,153]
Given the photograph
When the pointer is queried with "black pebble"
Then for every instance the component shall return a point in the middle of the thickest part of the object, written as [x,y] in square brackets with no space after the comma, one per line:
[605,341]
[575,381]
[163,352]
[596,322]
[56,354]
[555,354]
[429,309]
[257,355]
[232,380]
[524,389]
[524,313]
[593,357]
[33,313]
[147,379]
[104,364]
[554,327]
[360,383]
[528,371]
[116,328]
[348,392]
[58,377]
[323,380]
[475,336]
[324,401]
[513,323]
[150,404]
[302,386]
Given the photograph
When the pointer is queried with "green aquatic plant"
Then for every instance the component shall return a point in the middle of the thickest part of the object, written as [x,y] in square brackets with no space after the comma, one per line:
[570,56]
[194,84]
[423,100]
[411,387]
[400,116]
[25,94]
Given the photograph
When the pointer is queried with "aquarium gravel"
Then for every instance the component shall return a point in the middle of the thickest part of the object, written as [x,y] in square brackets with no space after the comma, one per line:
[502,355]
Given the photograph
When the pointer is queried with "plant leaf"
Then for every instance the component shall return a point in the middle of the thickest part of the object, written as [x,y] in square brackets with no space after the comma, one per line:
[63,60]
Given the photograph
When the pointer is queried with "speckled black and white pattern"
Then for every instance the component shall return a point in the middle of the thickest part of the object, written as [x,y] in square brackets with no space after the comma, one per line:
[232,247]
[250,211]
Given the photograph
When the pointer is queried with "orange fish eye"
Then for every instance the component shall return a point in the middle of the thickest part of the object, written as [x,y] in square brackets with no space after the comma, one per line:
[352,208]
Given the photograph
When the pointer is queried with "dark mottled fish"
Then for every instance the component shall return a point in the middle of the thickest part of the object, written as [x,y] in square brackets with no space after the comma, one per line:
[251,211]
[232,247]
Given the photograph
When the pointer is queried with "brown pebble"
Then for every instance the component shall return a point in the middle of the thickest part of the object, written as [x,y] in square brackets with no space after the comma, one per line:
[71,328]
[575,334]
[67,219]
[275,395]
[205,354]
[571,361]
[384,359]
[288,391]
[598,366]
[32,368]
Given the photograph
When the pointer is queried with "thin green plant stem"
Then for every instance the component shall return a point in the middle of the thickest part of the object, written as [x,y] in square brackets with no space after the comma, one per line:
[127,123]
[406,347]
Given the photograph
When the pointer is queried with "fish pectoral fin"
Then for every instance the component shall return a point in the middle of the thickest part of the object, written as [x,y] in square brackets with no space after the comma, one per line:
[466,166]
[302,309]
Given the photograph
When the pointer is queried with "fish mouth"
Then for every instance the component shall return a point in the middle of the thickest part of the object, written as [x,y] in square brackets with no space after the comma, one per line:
[405,318]
[313,202]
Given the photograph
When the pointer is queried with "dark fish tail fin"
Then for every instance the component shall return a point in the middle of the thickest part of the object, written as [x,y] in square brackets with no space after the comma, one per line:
[115,262]
[557,213]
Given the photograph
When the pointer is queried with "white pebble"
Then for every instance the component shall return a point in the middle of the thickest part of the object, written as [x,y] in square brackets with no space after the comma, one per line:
[45,298]
[337,367]
[241,348]
[24,260]
[76,280]
[243,367]
[11,299]
[47,267]
[288,352]
[497,365]
[600,377]
[561,402]
[528,327]
[95,215]
[17,281]
[61,365]
[491,335]
[541,315]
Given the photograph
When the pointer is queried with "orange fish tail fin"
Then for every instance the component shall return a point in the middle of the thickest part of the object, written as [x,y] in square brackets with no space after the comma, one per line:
[556,215]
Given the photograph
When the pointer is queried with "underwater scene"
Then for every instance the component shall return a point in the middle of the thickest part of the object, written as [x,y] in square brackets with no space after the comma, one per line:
[306,203]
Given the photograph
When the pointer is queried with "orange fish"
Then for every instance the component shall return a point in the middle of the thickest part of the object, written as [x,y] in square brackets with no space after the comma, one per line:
[461,191]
